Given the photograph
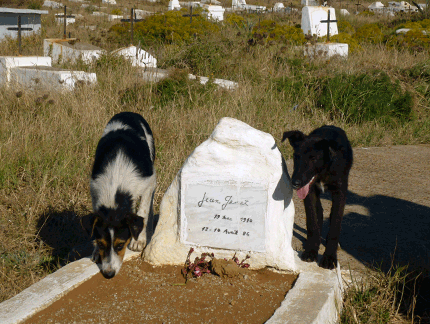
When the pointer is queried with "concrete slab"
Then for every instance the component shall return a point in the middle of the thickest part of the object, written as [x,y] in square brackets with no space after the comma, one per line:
[9,62]
[316,297]
[326,50]
[70,49]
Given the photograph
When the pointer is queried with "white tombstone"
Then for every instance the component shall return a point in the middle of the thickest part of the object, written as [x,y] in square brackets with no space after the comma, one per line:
[377,7]
[238,4]
[137,56]
[70,19]
[52,4]
[279,6]
[311,21]
[70,49]
[7,63]
[35,72]
[214,12]
[173,5]
[309,3]
[114,17]
[233,194]
[344,12]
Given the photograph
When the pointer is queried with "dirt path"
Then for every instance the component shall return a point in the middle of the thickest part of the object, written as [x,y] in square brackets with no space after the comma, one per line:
[388,208]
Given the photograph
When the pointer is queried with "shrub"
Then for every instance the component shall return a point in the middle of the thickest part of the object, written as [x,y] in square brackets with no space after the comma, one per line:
[273,31]
[369,33]
[365,97]
[414,40]
[345,27]
[116,11]
[234,19]
[168,28]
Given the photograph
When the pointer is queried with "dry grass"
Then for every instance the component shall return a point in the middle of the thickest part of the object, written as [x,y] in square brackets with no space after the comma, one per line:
[47,145]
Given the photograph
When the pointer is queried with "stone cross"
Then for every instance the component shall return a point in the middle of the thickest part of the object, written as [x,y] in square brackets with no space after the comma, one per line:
[190,14]
[328,21]
[19,29]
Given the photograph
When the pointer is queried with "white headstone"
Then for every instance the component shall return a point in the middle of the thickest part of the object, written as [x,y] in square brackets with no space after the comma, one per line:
[214,12]
[311,21]
[279,6]
[344,12]
[173,5]
[70,50]
[233,194]
[137,56]
[309,3]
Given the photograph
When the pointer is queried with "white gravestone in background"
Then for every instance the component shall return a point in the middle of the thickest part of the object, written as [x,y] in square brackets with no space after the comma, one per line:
[311,21]
[232,195]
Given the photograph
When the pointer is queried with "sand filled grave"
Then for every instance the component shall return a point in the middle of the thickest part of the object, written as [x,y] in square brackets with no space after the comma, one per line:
[142,293]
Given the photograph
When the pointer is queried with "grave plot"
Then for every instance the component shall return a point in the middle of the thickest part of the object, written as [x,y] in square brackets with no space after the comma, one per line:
[321,21]
[36,72]
[158,294]
[70,49]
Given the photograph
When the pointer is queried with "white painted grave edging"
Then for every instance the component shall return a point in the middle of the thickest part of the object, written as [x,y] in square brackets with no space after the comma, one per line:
[242,156]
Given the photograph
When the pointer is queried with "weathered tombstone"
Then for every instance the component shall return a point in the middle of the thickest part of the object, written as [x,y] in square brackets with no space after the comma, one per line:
[35,72]
[321,21]
[70,50]
[137,56]
[232,195]
[312,18]
[173,5]
[30,21]
[214,12]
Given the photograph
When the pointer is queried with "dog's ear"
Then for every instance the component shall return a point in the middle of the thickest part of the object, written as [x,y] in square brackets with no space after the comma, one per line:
[89,222]
[135,223]
[294,137]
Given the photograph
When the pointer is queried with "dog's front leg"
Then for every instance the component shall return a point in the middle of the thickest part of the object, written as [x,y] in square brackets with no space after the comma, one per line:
[329,260]
[314,217]
[146,212]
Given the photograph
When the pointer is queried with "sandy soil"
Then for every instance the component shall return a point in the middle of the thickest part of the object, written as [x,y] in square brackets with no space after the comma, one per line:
[141,293]
[387,218]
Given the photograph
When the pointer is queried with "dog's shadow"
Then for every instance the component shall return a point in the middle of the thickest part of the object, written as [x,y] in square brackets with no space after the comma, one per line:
[67,234]
[387,230]
[382,231]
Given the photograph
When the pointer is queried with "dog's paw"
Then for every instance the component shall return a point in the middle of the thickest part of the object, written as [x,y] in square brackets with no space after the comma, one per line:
[310,256]
[137,245]
[328,262]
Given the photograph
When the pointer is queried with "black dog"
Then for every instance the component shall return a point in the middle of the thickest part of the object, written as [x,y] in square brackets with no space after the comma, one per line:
[322,161]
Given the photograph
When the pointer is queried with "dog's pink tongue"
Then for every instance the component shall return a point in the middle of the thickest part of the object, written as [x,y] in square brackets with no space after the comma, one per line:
[303,191]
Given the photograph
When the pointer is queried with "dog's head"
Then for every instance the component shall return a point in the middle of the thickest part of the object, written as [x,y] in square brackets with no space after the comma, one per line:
[112,231]
[312,155]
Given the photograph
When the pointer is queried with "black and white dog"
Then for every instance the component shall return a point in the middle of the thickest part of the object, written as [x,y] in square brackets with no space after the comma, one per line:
[123,182]
[322,161]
